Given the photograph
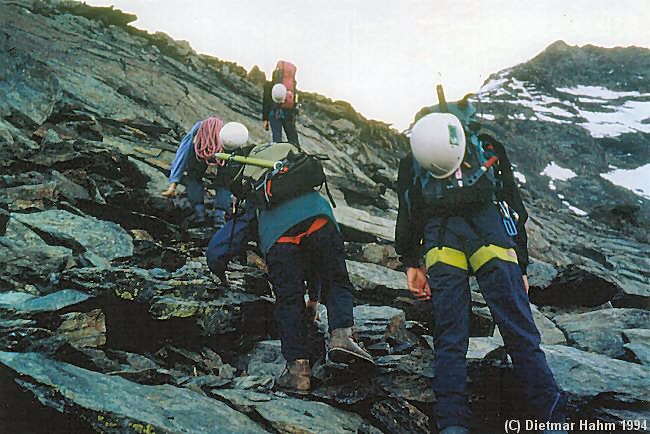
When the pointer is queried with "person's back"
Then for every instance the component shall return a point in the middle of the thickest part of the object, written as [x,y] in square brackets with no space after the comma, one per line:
[300,241]
[279,109]
[451,224]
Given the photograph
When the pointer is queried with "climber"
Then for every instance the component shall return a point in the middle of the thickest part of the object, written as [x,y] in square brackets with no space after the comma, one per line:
[279,103]
[300,239]
[190,164]
[456,190]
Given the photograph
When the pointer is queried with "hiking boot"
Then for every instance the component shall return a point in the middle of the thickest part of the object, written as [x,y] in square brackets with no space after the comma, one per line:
[343,349]
[455,430]
[295,377]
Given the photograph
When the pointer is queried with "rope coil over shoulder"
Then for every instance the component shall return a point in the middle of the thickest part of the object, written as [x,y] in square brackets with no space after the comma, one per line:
[207,142]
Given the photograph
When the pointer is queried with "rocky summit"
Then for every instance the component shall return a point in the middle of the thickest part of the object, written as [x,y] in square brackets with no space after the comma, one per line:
[111,322]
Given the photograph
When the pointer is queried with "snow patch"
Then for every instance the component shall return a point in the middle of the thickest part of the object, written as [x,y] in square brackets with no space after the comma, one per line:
[576,211]
[598,92]
[627,118]
[591,100]
[561,196]
[520,177]
[487,116]
[492,85]
[637,180]
[554,172]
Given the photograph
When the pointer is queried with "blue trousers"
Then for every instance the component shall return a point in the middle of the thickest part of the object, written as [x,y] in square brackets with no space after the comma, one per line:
[502,287]
[279,119]
[193,182]
[320,254]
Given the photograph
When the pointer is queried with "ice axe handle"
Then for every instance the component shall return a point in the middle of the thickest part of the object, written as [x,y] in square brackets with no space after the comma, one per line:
[442,101]
[247,160]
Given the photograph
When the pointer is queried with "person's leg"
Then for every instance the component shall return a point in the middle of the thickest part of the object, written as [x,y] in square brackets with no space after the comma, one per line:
[222,203]
[284,261]
[193,182]
[503,289]
[276,127]
[289,124]
[447,272]
[327,254]
[451,307]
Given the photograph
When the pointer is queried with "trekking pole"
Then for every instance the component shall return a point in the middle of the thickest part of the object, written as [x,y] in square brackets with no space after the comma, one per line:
[248,160]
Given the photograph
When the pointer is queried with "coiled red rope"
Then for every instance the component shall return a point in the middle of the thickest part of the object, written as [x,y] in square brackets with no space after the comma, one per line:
[207,142]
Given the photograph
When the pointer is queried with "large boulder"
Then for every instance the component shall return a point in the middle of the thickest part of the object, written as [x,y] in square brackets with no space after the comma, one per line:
[586,376]
[26,257]
[373,277]
[573,286]
[600,331]
[99,241]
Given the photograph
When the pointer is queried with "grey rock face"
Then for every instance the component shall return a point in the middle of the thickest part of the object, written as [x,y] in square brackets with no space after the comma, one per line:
[49,303]
[106,401]
[96,141]
[638,342]
[101,241]
[26,257]
[370,277]
[600,331]
[294,415]
[586,375]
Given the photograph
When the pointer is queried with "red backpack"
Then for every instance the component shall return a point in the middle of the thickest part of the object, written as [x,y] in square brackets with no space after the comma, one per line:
[287,76]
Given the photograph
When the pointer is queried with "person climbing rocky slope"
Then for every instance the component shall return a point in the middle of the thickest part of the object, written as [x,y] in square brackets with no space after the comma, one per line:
[110,320]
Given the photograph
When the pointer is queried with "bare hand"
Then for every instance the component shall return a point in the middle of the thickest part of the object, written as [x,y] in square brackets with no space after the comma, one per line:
[418,284]
[171,191]
[266,125]
[525,279]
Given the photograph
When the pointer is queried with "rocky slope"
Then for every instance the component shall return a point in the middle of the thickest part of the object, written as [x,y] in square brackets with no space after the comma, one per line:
[111,322]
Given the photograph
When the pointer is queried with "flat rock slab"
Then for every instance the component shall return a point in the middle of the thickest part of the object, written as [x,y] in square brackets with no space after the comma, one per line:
[108,401]
[371,276]
[103,241]
[363,221]
[587,375]
[292,415]
[22,302]
[600,331]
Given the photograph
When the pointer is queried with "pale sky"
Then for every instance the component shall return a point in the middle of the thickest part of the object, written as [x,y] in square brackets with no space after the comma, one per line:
[386,56]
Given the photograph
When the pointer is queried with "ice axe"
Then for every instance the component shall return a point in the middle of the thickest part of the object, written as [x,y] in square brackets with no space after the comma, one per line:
[249,160]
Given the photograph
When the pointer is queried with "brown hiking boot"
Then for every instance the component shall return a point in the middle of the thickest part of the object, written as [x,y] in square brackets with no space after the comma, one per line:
[295,377]
[343,349]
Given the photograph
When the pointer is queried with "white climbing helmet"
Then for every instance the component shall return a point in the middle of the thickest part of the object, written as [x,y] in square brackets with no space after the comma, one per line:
[233,135]
[279,93]
[438,143]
